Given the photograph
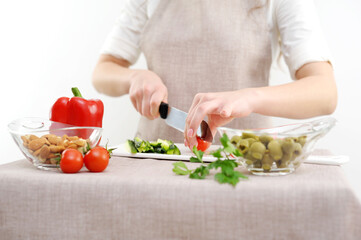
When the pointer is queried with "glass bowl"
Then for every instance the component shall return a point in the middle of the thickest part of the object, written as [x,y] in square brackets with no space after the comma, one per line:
[42,141]
[278,150]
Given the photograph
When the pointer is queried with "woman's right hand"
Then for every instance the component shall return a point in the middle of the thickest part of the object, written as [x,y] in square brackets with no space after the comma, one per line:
[147,91]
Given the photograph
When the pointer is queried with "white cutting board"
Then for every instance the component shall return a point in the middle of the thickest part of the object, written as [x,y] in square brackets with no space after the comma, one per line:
[186,154]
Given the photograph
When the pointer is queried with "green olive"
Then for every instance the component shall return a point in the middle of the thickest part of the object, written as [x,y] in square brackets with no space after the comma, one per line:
[249,135]
[288,145]
[257,150]
[265,139]
[285,161]
[249,159]
[302,140]
[235,139]
[267,162]
[287,157]
[282,164]
[275,149]
[250,141]
[248,156]
[242,145]
[298,149]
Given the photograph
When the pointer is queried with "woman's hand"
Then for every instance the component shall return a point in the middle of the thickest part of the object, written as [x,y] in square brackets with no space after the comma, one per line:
[221,108]
[147,91]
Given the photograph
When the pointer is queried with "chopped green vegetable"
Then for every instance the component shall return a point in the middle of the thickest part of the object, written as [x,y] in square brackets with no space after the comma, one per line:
[130,146]
[137,142]
[160,146]
[165,144]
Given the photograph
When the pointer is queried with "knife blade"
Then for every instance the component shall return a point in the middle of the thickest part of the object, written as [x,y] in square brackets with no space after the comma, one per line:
[177,119]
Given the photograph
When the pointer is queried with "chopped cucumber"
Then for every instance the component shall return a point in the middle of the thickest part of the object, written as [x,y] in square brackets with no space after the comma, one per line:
[160,146]
[145,147]
[165,144]
[174,150]
[137,142]
[130,146]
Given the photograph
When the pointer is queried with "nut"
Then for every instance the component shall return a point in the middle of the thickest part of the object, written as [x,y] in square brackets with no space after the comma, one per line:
[73,138]
[48,148]
[55,140]
[56,149]
[25,139]
[37,152]
[65,143]
[36,143]
[33,137]
[46,141]
[80,142]
[73,145]
[44,152]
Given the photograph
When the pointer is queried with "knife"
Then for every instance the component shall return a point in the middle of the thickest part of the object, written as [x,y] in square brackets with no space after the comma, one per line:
[177,119]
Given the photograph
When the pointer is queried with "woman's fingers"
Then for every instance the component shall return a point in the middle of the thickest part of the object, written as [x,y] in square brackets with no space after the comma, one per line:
[197,115]
[133,94]
[146,92]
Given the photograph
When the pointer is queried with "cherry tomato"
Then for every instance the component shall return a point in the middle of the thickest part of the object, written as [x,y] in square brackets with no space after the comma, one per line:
[71,161]
[96,159]
[202,145]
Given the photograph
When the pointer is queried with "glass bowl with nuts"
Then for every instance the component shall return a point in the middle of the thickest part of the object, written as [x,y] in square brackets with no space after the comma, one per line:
[278,150]
[42,141]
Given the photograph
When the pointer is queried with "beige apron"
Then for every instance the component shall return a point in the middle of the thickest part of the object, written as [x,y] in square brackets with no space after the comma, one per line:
[206,46]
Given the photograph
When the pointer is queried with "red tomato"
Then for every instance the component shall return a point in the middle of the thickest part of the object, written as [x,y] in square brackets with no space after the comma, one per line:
[202,145]
[71,161]
[97,159]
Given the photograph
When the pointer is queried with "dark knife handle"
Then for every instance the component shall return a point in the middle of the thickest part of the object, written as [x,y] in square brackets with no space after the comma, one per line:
[163,110]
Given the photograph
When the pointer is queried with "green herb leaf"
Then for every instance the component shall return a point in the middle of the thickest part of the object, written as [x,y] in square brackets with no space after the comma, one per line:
[237,153]
[181,169]
[199,154]
[227,145]
[224,140]
[195,160]
[228,174]
[222,178]
[216,164]
[217,153]
[199,173]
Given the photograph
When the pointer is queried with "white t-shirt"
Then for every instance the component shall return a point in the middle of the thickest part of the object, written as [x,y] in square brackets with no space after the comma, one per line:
[294,26]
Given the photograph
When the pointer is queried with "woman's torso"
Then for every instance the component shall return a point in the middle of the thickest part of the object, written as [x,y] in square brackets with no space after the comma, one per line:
[206,47]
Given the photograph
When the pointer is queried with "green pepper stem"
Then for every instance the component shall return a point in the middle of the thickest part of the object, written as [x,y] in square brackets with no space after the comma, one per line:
[76,92]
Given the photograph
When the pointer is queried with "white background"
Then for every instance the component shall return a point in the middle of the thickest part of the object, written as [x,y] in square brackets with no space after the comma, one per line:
[47,47]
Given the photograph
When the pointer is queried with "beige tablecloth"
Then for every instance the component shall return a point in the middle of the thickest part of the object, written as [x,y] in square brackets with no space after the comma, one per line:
[143,199]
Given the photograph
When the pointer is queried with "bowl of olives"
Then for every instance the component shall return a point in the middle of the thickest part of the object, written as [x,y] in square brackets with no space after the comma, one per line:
[278,150]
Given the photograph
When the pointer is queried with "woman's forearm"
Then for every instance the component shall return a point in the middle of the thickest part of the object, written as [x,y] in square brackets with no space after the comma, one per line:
[112,76]
[314,94]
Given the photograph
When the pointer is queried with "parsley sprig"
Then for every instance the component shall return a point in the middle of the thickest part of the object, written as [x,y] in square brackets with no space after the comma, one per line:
[224,162]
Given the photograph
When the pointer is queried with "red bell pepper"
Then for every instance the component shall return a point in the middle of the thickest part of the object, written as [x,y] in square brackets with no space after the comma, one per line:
[78,111]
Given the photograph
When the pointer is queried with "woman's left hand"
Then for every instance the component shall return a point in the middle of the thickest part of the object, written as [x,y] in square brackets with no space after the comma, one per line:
[220,107]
